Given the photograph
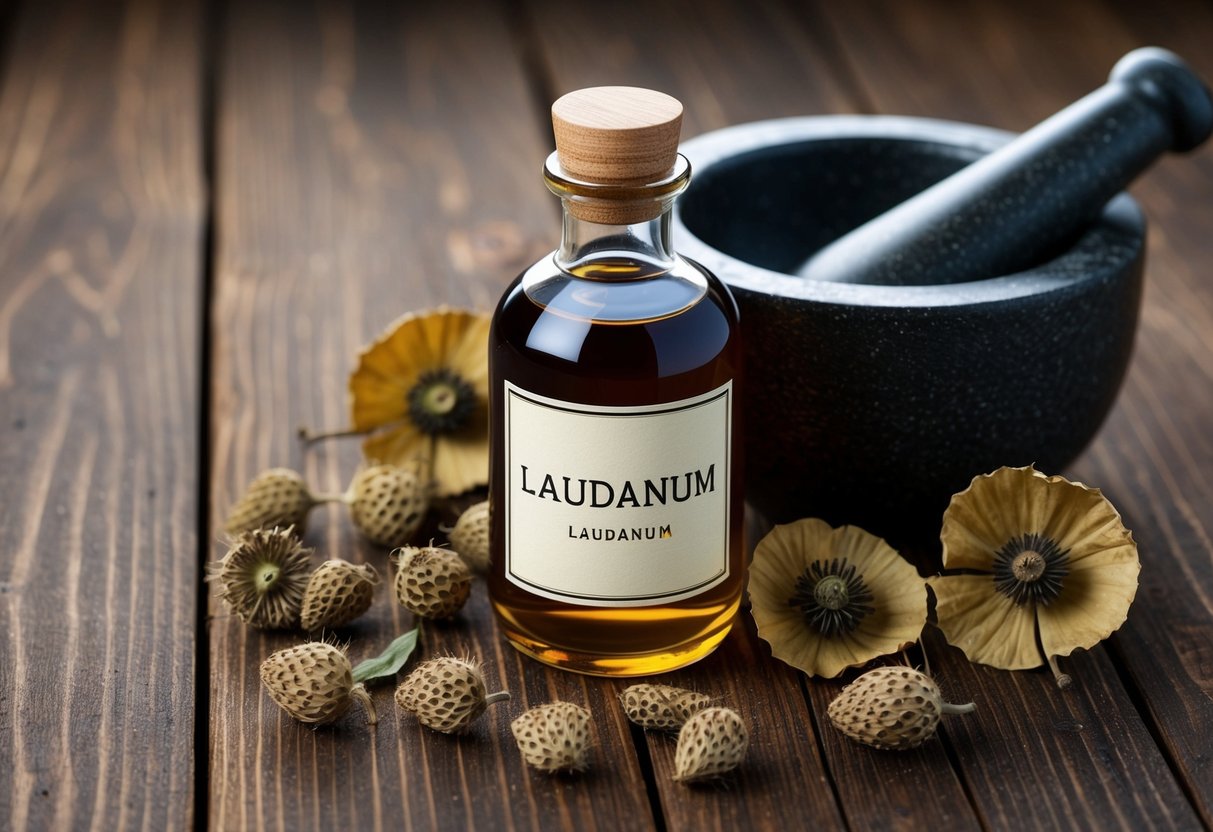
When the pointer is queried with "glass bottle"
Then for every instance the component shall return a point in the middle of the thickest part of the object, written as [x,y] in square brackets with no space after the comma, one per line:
[615,372]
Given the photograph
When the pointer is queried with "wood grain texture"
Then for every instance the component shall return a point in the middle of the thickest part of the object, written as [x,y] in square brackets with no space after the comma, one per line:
[726,65]
[1163,482]
[372,160]
[101,220]
[783,759]
[779,63]
[1011,67]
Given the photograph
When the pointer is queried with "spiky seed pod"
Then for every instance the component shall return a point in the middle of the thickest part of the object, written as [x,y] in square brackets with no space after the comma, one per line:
[313,683]
[891,708]
[337,593]
[711,743]
[470,537]
[387,503]
[432,582]
[554,737]
[262,577]
[662,707]
[275,498]
[446,694]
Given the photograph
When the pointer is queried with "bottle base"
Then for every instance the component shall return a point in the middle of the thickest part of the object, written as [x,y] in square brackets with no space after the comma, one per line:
[617,665]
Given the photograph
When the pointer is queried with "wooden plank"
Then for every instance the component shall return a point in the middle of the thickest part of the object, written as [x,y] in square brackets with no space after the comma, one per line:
[1010,67]
[372,160]
[725,65]
[1163,421]
[101,222]
[784,782]
[731,67]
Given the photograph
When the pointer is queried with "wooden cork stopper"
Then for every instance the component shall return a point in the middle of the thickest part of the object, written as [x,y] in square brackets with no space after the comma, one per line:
[617,135]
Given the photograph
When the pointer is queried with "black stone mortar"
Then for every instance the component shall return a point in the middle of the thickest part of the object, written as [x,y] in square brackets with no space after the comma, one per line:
[872,404]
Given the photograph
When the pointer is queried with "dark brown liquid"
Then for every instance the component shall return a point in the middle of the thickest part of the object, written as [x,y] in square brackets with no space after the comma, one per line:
[677,346]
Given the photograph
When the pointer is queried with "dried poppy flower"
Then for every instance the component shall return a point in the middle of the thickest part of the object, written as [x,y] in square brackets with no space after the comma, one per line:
[826,599]
[263,577]
[1048,567]
[421,391]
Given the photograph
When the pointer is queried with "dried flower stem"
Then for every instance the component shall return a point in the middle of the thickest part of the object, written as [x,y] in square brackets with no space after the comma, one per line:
[364,699]
[308,437]
[949,708]
[1063,679]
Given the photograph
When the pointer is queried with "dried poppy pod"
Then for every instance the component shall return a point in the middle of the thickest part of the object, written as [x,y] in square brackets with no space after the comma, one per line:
[554,737]
[314,683]
[470,537]
[387,503]
[263,576]
[447,694]
[892,708]
[337,593]
[277,498]
[712,743]
[661,707]
[432,582]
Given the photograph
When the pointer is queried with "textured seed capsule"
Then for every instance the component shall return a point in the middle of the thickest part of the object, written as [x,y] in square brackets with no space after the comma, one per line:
[661,707]
[446,694]
[337,593]
[554,737]
[711,743]
[891,708]
[470,537]
[263,576]
[432,582]
[313,683]
[387,503]
[275,498]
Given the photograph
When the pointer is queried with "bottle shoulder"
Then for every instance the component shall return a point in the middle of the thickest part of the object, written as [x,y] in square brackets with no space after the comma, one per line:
[601,297]
[672,322]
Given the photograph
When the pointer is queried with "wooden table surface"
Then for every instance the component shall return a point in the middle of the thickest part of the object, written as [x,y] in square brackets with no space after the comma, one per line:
[206,211]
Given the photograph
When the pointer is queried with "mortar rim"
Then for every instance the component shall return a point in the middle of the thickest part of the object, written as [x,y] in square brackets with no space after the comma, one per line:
[1121,218]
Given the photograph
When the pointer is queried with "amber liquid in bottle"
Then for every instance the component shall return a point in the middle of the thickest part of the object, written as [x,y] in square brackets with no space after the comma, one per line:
[615,319]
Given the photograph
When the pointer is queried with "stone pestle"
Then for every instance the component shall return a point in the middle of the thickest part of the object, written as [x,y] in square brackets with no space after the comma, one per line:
[1021,204]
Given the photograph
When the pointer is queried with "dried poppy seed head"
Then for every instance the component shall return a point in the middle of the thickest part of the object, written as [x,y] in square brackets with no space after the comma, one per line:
[441,401]
[432,582]
[833,596]
[387,503]
[1031,567]
[661,707]
[891,708]
[446,694]
[470,537]
[337,593]
[712,743]
[554,737]
[313,683]
[275,498]
[263,576]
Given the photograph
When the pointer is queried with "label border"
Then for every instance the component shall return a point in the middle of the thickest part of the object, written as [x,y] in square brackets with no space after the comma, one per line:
[513,391]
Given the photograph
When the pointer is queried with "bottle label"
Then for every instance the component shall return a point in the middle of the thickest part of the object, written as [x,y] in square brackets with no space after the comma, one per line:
[617,506]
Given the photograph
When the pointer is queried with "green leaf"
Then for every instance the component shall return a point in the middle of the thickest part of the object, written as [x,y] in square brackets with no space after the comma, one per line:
[390,661]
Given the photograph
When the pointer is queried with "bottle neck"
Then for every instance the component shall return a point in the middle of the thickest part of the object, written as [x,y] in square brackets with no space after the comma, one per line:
[616,231]
[604,250]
